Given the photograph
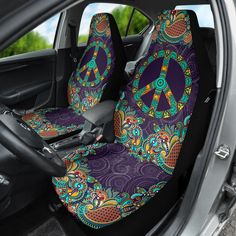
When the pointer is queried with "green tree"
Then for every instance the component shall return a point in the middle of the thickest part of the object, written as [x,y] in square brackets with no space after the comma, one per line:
[83,38]
[138,23]
[122,16]
[30,42]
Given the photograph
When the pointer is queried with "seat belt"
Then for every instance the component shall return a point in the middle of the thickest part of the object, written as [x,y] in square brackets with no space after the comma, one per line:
[73,53]
[131,65]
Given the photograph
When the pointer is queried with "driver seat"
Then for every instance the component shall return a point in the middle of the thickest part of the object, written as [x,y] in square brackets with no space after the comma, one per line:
[98,77]
[105,183]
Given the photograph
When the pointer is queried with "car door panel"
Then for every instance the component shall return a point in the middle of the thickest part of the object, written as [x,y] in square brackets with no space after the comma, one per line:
[28,80]
[21,93]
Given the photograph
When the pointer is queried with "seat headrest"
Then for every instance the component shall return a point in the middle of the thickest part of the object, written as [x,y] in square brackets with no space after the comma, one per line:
[100,26]
[172,27]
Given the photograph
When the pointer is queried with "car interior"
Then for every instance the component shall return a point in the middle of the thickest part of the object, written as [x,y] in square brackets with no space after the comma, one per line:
[100,137]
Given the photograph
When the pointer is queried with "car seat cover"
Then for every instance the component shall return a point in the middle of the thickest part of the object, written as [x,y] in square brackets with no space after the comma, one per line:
[153,115]
[107,182]
[95,67]
[87,85]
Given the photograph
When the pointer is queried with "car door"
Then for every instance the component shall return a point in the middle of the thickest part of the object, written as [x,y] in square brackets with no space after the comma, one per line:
[27,69]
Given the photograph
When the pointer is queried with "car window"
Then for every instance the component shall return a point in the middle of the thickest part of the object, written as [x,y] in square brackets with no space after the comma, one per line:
[42,37]
[203,12]
[129,20]
[138,23]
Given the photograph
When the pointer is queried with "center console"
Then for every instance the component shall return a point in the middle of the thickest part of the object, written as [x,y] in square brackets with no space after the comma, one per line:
[98,127]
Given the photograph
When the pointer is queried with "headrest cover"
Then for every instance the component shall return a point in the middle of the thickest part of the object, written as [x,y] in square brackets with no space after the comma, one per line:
[173,26]
[100,26]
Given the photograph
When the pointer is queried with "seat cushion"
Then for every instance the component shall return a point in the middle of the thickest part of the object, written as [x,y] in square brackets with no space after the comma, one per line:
[105,183]
[53,122]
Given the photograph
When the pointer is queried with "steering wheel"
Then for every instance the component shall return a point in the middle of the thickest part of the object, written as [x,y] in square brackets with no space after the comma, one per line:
[27,145]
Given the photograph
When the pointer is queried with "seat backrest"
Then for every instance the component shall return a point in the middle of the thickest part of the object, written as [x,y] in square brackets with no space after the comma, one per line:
[154,112]
[100,67]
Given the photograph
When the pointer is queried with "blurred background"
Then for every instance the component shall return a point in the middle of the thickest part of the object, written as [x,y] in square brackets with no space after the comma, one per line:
[42,37]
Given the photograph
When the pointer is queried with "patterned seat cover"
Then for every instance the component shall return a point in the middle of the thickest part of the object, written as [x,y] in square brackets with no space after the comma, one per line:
[107,182]
[85,88]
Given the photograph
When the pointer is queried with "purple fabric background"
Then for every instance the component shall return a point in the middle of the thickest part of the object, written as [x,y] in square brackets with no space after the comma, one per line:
[64,117]
[115,168]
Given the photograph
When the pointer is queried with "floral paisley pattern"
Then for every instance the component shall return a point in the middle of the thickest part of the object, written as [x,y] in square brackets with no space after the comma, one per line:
[53,122]
[85,87]
[107,182]
[88,171]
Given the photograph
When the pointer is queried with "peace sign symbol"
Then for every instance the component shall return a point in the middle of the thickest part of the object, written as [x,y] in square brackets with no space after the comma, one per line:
[90,74]
[160,87]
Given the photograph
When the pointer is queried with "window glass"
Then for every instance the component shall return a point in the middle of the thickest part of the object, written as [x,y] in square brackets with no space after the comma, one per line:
[138,23]
[42,37]
[122,15]
[204,14]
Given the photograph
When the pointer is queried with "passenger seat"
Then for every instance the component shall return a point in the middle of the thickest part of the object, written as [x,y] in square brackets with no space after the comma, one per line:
[98,77]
